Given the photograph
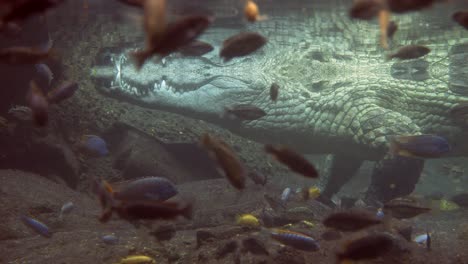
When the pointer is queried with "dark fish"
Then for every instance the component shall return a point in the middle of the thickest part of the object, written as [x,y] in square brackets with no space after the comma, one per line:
[23,55]
[294,239]
[37,226]
[368,247]
[351,220]
[461,17]
[110,239]
[152,210]
[62,92]
[164,232]
[392,27]
[404,211]
[150,188]
[365,9]
[241,45]
[293,160]
[461,199]
[245,111]
[38,104]
[196,48]
[331,234]
[254,246]
[135,3]
[233,168]
[403,6]
[45,72]
[410,52]
[21,9]
[257,178]
[274,91]
[419,146]
[175,36]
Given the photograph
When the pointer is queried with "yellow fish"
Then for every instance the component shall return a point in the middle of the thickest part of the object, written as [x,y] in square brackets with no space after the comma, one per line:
[311,193]
[137,259]
[248,220]
[446,205]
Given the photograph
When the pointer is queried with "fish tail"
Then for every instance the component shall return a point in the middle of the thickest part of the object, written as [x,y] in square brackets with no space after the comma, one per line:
[139,58]
[187,212]
[106,197]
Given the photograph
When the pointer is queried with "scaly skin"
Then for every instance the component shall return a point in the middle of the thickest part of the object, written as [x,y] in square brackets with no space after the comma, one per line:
[338,94]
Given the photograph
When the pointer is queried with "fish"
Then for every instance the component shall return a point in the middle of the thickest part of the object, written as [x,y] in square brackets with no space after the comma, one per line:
[367,247]
[36,226]
[248,220]
[254,246]
[38,104]
[292,160]
[351,220]
[137,259]
[365,9]
[404,6]
[257,178]
[23,55]
[226,158]
[245,111]
[66,209]
[419,146]
[392,28]
[310,193]
[148,188]
[45,72]
[93,145]
[134,3]
[241,44]
[251,12]
[196,48]
[285,195]
[410,52]
[21,9]
[176,35]
[424,239]
[461,17]
[380,213]
[274,91]
[295,239]
[404,211]
[62,92]
[110,239]
[151,210]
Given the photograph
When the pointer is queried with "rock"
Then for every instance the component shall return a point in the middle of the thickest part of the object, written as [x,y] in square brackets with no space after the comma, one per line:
[225,249]
[461,199]
[204,237]
[139,154]
[254,246]
[287,255]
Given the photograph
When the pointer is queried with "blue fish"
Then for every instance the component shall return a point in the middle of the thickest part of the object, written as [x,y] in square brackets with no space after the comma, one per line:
[424,239]
[419,146]
[296,240]
[150,188]
[37,226]
[285,194]
[66,208]
[45,72]
[110,239]
[380,214]
[94,145]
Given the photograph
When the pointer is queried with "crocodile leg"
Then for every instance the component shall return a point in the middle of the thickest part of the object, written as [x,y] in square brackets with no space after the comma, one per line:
[343,168]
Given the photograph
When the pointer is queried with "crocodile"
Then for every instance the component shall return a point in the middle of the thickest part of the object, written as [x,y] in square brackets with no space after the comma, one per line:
[338,94]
